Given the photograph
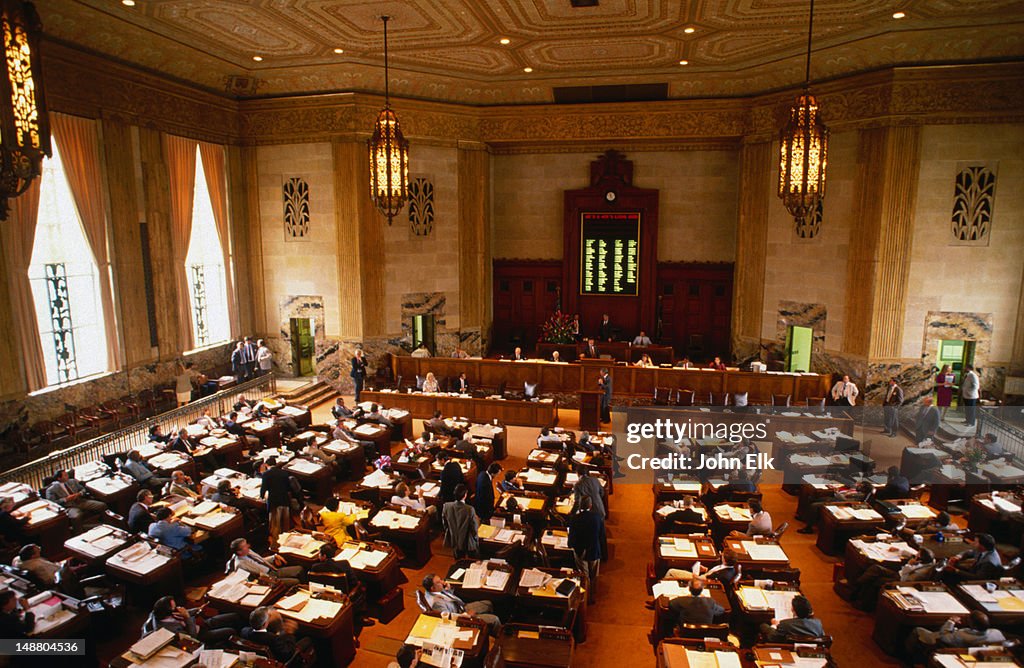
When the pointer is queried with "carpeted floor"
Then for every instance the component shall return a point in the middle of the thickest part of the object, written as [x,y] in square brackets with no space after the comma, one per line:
[619,622]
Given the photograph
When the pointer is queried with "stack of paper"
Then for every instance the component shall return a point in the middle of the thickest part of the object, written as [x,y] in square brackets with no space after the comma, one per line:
[378,478]
[304,466]
[679,548]
[764,551]
[393,520]
[557,539]
[916,511]
[733,513]
[151,644]
[367,559]
[753,598]
[532,578]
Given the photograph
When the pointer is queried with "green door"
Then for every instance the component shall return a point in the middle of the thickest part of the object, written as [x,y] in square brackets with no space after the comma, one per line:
[303,345]
[798,348]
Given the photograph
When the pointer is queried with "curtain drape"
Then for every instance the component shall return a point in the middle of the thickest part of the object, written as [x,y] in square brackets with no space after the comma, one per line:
[79,149]
[19,233]
[216,182]
[180,156]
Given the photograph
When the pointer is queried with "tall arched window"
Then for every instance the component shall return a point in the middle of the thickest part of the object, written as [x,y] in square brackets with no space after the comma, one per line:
[65,284]
[205,270]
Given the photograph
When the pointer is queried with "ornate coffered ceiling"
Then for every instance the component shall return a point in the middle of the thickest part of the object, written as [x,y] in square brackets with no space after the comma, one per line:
[449,49]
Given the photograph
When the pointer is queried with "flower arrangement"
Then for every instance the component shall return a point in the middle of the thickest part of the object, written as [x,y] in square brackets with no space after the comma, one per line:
[974,455]
[558,329]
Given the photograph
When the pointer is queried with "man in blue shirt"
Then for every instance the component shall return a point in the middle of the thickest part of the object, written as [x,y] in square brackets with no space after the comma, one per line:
[171,533]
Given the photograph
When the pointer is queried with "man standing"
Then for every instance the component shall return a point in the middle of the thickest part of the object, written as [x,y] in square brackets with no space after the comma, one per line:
[484,499]
[891,405]
[264,358]
[358,372]
[605,383]
[587,538]
[462,523]
[970,392]
[238,362]
[276,489]
[844,392]
[604,331]
[249,357]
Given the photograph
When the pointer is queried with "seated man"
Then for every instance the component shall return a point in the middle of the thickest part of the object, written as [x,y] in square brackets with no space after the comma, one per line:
[346,579]
[227,495]
[207,420]
[14,623]
[339,410]
[30,558]
[803,626]
[687,514]
[138,469]
[437,425]
[336,523]
[440,597]
[232,426]
[167,614]
[343,433]
[243,558]
[897,486]
[920,568]
[727,571]
[641,339]
[982,562]
[922,642]
[741,484]
[156,434]
[403,497]
[168,531]
[864,492]
[695,608]
[139,515]
[993,450]
[548,437]
[181,485]
[68,492]
[511,482]
[268,628]
[376,416]
[760,522]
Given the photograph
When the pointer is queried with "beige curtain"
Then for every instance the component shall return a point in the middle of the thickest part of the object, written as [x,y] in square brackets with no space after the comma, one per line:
[216,182]
[180,155]
[79,150]
[18,233]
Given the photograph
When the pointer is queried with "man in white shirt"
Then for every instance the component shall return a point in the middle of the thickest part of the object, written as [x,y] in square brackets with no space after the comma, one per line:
[421,351]
[844,392]
[264,358]
[642,339]
[970,392]
[244,559]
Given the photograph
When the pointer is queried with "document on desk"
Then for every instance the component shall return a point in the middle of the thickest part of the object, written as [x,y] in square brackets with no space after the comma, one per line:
[754,598]
[368,559]
[378,478]
[764,552]
[840,512]
[669,588]
[317,608]
[497,580]
[214,520]
[781,602]
[475,575]
[727,659]
[367,430]
[697,659]
[532,577]
[304,466]
[940,602]
[916,511]
[293,602]
[866,514]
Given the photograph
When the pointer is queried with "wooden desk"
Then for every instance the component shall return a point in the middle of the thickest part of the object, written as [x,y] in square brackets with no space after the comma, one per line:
[757,605]
[97,545]
[672,652]
[117,490]
[999,517]
[245,605]
[146,584]
[729,517]
[747,560]
[676,487]
[628,380]
[526,645]
[893,621]
[834,531]
[664,525]
[500,596]
[413,540]
[996,657]
[48,525]
[182,642]
[401,420]
[666,623]
[314,476]
[1007,612]
[506,411]
[695,548]
[351,456]
[334,638]
[546,607]
[520,536]
[857,559]
[474,650]
[378,575]
[373,432]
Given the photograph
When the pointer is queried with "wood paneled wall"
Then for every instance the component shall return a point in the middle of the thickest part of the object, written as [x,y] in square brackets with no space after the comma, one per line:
[751,239]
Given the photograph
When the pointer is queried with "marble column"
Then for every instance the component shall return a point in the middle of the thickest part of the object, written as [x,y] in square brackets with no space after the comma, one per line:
[126,242]
[247,239]
[360,245]
[474,242]
[751,247]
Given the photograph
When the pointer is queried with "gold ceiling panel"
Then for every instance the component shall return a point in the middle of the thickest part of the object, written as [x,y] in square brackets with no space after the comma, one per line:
[449,49]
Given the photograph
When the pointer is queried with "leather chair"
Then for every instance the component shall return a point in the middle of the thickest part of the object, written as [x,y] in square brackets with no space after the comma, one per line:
[685,397]
[780,400]
[662,396]
[701,631]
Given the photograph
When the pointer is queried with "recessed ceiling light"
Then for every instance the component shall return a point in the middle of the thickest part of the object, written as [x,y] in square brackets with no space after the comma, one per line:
[128,3]
[899,15]
[527,69]
[258,59]
[339,51]
[684,62]
[689,31]
[505,40]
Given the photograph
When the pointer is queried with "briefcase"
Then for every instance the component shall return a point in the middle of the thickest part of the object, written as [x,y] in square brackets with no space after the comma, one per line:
[390,605]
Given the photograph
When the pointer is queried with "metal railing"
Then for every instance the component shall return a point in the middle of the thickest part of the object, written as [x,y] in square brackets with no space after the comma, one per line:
[137,434]
[1009,435]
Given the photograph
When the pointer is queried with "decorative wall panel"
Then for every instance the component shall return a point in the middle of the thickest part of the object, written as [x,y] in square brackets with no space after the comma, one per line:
[973,203]
[296,210]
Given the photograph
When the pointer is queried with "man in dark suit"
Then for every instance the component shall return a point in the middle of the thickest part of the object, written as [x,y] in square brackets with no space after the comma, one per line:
[249,357]
[891,406]
[339,410]
[590,350]
[687,514]
[238,362]
[695,608]
[979,563]
[139,515]
[604,330]
[605,383]
[358,372]
[268,628]
[804,625]
[14,623]
[451,476]
[927,421]
[587,539]
[462,524]
[277,490]
[460,384]
[484,499]
[896,485]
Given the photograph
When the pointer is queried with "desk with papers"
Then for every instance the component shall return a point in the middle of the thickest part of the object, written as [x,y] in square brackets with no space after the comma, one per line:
[482,580]
[314,476]
[408,529]
[757,552]
[682,552]
[905,605]
[1001,600]
[98,544]
[885,550]
[454,643]
[665,620]
[48,525]
[235,592]
[325,615]
[148,571]
[843,520]
[536,593]
[675,653]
